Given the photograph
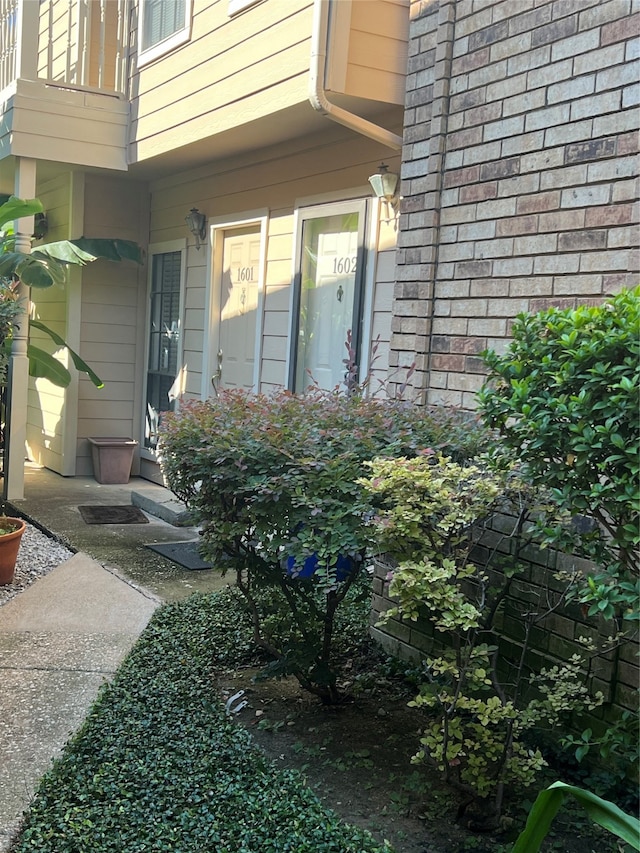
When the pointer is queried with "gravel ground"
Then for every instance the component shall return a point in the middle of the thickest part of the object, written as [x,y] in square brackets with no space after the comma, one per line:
[38,554]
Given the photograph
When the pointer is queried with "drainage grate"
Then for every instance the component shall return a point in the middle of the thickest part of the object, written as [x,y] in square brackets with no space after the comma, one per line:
[113,515]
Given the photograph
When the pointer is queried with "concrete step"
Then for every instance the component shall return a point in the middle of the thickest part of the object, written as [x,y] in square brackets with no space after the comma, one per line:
[163,504]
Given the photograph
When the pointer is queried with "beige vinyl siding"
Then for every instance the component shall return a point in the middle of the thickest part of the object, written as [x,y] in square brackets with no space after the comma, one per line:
[6,121]
[232,71]
[58,29]
[113,318]
[277,318]
[382,304]
[68,126]
[312,170]
[108,80]
[194,319]
[271,178]
[375,50]
[46,403]
[69,42]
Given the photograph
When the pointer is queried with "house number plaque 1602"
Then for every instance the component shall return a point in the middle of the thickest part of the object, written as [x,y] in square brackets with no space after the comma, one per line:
[344,265]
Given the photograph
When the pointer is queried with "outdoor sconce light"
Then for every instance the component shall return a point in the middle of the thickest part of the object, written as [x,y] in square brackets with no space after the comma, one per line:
[384,184]
[197,224]
[40,226]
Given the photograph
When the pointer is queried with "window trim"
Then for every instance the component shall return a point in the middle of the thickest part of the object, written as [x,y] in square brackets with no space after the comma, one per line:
[161,249]
[180,37]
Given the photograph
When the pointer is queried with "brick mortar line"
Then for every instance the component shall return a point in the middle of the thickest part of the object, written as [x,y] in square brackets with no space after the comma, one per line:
[445,41]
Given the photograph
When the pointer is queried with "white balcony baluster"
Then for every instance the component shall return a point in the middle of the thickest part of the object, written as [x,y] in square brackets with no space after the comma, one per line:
[70,43]
[8,19]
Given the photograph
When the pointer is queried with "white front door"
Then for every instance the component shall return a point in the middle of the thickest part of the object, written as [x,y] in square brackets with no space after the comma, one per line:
[329,294]
[238,309]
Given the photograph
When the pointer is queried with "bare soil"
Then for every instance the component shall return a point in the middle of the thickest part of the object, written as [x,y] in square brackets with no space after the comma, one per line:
[357,759]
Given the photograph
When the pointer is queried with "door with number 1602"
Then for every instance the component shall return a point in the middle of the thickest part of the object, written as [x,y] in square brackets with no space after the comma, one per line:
[329,294]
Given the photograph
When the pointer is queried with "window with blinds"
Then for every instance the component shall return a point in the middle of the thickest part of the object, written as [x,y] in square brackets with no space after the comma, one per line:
[164,339]
[164,24]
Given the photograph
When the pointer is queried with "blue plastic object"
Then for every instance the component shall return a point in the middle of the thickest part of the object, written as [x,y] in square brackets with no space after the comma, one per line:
[344,567]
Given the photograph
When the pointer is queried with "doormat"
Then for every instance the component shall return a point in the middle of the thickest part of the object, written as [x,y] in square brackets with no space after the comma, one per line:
[113,515]
[185,554]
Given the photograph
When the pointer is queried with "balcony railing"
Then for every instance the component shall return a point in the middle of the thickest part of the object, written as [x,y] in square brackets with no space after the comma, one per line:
[65,43]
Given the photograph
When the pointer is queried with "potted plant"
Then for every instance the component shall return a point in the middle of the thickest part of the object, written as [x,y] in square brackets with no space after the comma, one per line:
[11,530]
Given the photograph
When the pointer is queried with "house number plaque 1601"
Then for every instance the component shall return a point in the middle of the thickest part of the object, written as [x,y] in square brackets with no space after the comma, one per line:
[244,274]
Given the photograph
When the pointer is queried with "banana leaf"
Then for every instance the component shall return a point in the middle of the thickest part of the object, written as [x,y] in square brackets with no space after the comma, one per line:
[602,812]
[32,269]
[47,263]
[15,208]
[42,365]
[111,250]
[79,364]
[45,266]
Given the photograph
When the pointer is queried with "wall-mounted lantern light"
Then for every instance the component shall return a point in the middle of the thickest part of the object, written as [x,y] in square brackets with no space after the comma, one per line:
[384,184]
[197,224]
[40,226]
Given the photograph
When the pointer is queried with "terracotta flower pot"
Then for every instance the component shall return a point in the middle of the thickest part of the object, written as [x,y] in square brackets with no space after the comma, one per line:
[9,546]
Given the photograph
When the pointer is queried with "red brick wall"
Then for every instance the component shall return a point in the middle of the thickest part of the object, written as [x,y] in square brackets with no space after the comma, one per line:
[554,637]
[520,175]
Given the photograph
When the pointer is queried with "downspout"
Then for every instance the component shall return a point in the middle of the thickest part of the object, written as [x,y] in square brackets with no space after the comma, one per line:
[317,94]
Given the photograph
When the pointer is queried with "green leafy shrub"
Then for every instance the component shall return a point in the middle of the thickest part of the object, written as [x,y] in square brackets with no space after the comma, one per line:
[159,766]
[565,399]
[274,483]
[10,309]
[429,519]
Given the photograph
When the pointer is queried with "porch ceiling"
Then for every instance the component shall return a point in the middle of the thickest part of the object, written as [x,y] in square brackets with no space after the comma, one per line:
[292,123]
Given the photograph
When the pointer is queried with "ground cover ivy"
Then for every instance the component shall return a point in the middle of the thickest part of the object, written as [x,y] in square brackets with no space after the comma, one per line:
[274,483]
[158,766]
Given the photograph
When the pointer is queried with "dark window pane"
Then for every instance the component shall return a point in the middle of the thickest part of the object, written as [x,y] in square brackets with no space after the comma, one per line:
[164,339]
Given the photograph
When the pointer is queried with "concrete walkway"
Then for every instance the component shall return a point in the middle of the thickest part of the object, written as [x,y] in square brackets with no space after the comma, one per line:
[60,640]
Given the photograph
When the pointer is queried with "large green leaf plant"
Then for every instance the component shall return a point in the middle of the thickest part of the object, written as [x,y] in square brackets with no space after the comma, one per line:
[43,267]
